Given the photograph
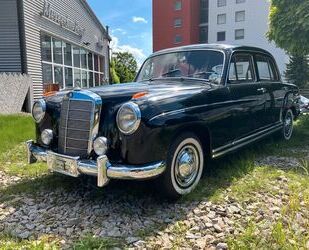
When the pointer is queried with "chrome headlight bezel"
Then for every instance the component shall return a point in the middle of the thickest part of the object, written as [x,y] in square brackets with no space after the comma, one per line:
[38,115]
[129,108]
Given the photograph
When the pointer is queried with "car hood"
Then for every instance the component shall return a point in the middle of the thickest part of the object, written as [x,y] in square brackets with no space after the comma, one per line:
[154,91]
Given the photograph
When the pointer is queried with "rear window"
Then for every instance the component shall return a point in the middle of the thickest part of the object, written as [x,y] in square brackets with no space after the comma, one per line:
[266,68]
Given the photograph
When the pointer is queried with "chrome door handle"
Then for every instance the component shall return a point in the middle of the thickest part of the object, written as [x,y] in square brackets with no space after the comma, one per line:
[263,90]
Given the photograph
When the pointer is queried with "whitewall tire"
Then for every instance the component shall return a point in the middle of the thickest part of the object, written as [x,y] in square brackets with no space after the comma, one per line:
[185,163]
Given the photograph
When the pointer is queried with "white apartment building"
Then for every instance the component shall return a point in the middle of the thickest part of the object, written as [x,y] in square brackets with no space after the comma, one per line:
[243,22]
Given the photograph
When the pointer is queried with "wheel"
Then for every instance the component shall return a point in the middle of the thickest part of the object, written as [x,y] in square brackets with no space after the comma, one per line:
[287,129]
[185,162]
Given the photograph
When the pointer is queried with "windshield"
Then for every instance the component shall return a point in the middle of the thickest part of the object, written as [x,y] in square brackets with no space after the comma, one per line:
[201,64]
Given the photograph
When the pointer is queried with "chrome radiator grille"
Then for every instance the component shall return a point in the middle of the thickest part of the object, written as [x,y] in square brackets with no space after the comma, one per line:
[76,121]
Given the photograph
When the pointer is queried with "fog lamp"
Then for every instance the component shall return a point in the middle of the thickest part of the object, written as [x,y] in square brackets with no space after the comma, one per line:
[100,146]
[47,136]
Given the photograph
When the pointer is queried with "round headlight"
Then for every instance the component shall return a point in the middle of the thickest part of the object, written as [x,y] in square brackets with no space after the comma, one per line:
[38,110]
[100,146]
[128,118]
[47,136]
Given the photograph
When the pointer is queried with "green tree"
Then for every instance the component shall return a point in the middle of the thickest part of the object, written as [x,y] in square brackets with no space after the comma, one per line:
[297,71]
[125,66]
[114,76]
[289,25]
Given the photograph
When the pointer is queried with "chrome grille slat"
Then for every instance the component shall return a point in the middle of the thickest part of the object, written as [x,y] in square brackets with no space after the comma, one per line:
[76,119]
[77,129]
[77,139]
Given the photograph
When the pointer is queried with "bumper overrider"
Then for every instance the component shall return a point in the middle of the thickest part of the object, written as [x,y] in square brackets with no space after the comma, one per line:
[101,168]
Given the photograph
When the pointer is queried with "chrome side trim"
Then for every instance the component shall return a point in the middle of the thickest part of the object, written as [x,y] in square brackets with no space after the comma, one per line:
[179,111]
[244,141]
[102,168]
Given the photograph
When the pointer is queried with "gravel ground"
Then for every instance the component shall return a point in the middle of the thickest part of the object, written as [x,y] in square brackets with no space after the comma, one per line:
[120,213]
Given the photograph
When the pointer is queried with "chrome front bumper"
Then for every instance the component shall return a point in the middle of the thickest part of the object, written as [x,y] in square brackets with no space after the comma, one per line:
[101,168]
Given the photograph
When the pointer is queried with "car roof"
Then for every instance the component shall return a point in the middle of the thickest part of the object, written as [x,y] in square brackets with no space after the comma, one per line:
[222,47]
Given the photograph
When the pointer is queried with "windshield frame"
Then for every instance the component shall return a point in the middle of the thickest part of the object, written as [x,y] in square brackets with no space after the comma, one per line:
[222,82]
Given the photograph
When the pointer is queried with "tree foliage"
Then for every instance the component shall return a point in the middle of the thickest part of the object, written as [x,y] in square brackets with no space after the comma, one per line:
[298,71]
[125,66]
[114,76]
[289,25]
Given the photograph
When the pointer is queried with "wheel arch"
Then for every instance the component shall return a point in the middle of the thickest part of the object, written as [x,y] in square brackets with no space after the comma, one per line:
[201,131]
[288,103]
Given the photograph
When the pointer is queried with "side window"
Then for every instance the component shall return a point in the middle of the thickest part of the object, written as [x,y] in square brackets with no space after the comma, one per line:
[266,68]
[241,69]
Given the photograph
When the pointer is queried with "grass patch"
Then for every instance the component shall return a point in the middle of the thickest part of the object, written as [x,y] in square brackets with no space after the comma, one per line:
[9,242]
[97,243]
[14,130]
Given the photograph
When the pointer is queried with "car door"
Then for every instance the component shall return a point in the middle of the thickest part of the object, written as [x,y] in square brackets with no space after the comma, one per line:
[269,80]
[246,95]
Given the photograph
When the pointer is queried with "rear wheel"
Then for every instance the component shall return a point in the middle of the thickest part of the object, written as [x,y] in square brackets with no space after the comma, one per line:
[287,130]
[185,162]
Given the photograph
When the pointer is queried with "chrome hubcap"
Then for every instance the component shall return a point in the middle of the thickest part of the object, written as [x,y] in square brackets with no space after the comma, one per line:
[288,125]
[186,166]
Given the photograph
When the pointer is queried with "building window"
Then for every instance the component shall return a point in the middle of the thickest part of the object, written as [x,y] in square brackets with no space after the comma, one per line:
[221,3]
[178,5]
[77,79]
[58,73]
[239,34]
[240,1]
[47,73]
[70,66]
[221,36]
[221,19]
[68,77]
[177,22]
[84,79]
[204,11]
[204,4]
[204,34]
[46,48]
[67,49]
[102,63]
[178,39]
[57,51]
[76,57]
[96,63]
[90,79]
[90,61]
[240,16]
[83,58]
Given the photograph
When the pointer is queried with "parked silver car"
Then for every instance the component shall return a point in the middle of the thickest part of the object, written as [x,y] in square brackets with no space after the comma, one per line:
[304,105]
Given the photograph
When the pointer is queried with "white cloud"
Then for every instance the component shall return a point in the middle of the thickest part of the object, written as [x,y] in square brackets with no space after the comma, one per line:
[119,30]
[138,19]
[136,52]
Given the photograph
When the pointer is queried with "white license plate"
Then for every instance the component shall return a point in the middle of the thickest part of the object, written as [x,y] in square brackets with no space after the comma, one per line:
[63,164]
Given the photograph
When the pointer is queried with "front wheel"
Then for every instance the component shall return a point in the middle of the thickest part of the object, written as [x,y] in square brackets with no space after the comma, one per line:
[185,162]
[287,129]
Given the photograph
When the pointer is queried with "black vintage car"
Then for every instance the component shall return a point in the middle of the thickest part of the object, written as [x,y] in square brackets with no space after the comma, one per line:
[186,104]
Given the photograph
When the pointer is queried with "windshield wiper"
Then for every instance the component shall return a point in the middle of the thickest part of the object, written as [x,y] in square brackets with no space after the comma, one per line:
[179,78]
[171,72]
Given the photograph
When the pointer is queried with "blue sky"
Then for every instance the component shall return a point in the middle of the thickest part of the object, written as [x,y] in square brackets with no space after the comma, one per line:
[130,24]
